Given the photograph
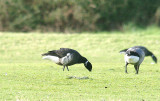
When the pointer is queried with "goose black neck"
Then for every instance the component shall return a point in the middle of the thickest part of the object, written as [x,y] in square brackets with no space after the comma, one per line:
[82,59]
[149,53]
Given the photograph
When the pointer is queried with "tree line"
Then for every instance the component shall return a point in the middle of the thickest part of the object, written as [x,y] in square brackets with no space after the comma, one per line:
[76,15]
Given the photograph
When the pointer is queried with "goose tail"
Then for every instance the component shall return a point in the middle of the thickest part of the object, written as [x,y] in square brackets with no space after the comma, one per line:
[123,51]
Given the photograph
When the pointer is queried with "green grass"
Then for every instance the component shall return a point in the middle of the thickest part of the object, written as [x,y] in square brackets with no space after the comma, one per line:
[24,76]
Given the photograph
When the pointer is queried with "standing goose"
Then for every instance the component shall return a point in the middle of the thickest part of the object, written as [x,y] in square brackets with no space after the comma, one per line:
[67,57]
[146,51]
[134,56]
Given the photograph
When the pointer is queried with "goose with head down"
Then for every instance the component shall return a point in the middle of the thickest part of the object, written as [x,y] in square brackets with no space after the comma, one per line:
[134,56]
[146,51]
[67,57]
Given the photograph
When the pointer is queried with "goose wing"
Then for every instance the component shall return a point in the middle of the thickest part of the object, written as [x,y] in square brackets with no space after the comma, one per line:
[62,52]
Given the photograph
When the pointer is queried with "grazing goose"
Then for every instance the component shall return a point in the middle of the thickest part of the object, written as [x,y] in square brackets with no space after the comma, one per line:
[146,51]
[134,56]
[67,57]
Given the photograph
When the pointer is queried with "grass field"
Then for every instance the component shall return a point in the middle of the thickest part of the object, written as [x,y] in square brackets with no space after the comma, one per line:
[24,76]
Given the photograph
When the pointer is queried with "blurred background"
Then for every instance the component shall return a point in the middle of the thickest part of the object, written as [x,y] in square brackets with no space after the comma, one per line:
[77,15]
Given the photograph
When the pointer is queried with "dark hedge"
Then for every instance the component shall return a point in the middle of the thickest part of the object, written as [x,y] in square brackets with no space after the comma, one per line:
[76,15]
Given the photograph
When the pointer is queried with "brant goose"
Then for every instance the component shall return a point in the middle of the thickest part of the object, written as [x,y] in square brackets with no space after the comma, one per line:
[134,56]
[146,51]
[67,57]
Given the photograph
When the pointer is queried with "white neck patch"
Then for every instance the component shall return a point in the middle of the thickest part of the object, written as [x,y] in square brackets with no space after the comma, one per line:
[86,62]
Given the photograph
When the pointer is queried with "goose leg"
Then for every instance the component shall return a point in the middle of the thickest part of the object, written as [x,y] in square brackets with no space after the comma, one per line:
[136,68]
[67,68]
[126,67]
[63,68]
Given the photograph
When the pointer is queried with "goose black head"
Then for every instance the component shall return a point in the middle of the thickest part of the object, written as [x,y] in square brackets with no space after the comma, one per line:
[154,58]
[88,65]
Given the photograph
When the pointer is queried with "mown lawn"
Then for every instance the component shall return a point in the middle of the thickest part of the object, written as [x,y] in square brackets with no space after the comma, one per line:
[24,76]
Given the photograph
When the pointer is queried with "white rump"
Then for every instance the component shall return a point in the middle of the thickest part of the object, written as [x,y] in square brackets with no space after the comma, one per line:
[131,59]
[52,58]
